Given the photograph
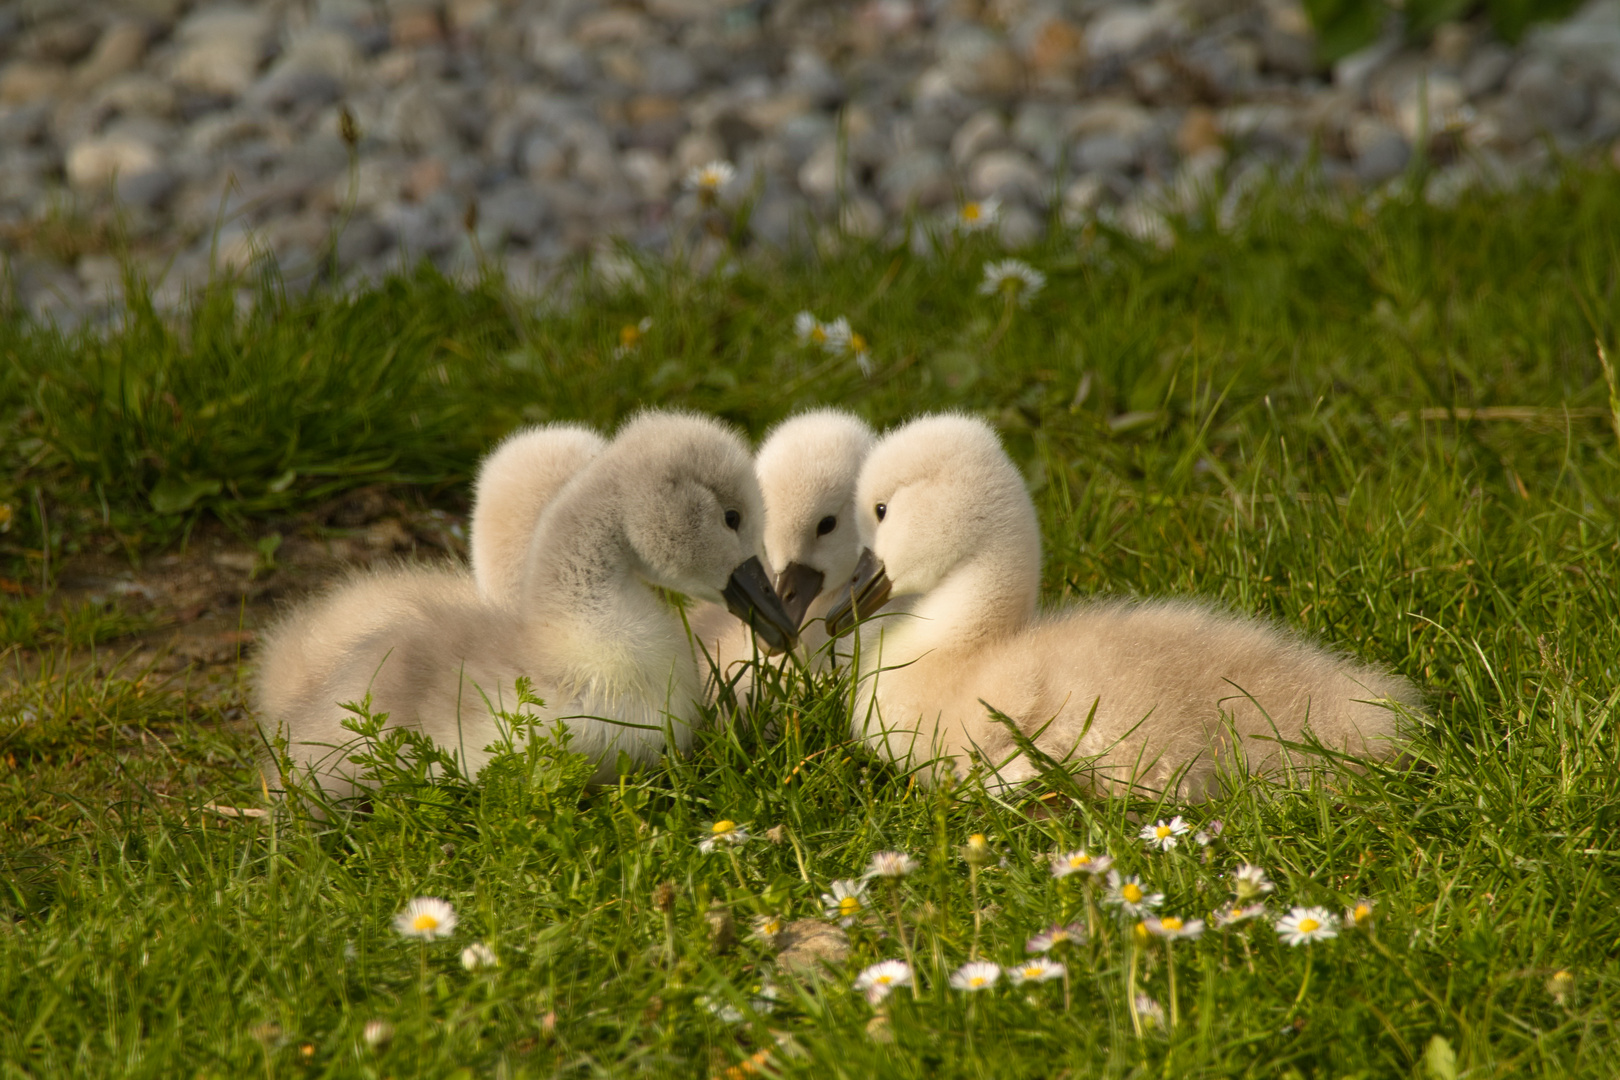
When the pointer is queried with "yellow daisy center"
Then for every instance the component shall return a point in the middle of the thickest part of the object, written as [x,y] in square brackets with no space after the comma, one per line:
[1162,831]
[818,335]
[857,344]
[722,827]
[884,980]
[1079,861]
[1362,912]
[425,921]
[1033,971]
[976,981]
[971,212]
[1237,913]
[1172,924]
[1309,926]
[1132,892]
[849,905]
[629,335]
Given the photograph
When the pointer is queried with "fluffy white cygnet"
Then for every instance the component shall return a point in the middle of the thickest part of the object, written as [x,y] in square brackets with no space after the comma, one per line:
[954,546]
[807,467]
[514,485]
[670,504]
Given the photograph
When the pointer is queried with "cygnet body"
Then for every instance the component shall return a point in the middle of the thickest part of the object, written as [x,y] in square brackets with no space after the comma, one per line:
[671,504]
[807,468]
[515,483]
[954,548]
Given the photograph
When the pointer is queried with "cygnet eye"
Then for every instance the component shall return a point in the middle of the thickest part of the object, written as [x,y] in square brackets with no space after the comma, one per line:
[826,525]
[880,509]
[733,519]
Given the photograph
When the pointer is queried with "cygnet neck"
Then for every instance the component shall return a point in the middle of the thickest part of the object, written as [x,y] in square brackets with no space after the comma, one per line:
[985,598]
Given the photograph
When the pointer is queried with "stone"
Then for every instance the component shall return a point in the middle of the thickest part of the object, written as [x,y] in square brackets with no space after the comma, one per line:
[413,25]
[917,178]
[1019,227]
[543,157]
[1292,55]
[1453,44]
[95,161]
[1057,47]
[647,172]
[293,88]
[23,81]
[513,211]
[1433,103]
[62,40]
[1107,116]
[861,216]
[810,946]
[1486,69]
[1352,73]
[1105,153]
[1553,100]
[982,132]
[809,75]
[1007,175]
[221,49]
[669,72]
[1379,150]
[1199,131]
[1038,128]
[21,125]
[137,94]
[615,26]
[819,176]
[119,49]
[696,149]
[1121,30]
[147,190]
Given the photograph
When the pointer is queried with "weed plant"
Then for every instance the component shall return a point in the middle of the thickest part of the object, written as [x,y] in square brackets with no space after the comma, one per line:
[1386,425]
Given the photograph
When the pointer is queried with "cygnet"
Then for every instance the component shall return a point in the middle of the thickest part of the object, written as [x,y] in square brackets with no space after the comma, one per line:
[671,504]
[1142,694]
[514,485]
[807,468]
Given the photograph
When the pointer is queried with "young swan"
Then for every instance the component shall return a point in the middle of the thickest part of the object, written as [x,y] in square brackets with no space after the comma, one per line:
[953,539]
[807,468]
[515,483]
[672,503]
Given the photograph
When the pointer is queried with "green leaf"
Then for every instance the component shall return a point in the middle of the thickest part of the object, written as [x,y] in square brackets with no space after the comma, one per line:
[1439,1059]
[173,495]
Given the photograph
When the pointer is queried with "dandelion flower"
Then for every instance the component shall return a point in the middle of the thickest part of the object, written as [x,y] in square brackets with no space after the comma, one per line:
[1303,925]
[1237,913]
[1149,1010]
[1055,935]
[426,917]
[1127,894]
[377,1033]
[723,834]
[478,955]
[846,902]
[809,330]
[1249,882]
[1033,971]
[1359,914]
[708,179]
[978,216]
[880,980]
[978,975]
[891,864]
[1012,278]
[1065,863]
[1164,834]
[1173,927]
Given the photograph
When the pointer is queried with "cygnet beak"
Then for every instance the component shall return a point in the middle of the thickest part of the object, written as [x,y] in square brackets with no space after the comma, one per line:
[749,596]
[798,585]
[867,592]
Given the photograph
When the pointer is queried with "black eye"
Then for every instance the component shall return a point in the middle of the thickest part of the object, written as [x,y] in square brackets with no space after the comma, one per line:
[881,509]
[733,519]
[826,525]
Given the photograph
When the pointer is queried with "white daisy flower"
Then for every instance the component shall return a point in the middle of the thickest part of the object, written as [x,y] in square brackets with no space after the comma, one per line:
[809,330]
[1358,914]
[880,980]
[1127,894]
[767,928]
[1012,278]
[723,834]
[1038,970]
[977,975]
[1055,935]
[709,179]
[1237,913]
[979,215]
[630,335]
[1149,1010]
[426,917]
[1249,882]
[1164,834]
[1065,863]
[1209,833]
[1303,925]
[377,1033]
[891,864]
[1173,927]
[721,1010]
[846,902]
[478,955]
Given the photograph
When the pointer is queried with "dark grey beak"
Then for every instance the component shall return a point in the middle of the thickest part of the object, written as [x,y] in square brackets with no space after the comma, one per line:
[749,596]
[798,585]
[867,592]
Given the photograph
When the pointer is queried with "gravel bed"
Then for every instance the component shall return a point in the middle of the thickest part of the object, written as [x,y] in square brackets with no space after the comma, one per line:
[211,134]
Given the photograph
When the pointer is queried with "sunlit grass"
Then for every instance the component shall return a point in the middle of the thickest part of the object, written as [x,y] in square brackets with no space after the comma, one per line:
[1240,417]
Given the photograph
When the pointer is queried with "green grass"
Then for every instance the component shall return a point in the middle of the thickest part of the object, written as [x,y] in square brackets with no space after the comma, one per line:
[1237,418]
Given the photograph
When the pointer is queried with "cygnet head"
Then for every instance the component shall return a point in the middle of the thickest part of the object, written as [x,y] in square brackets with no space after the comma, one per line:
[807,470]
[691,514]
[515,483]
[934,495]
